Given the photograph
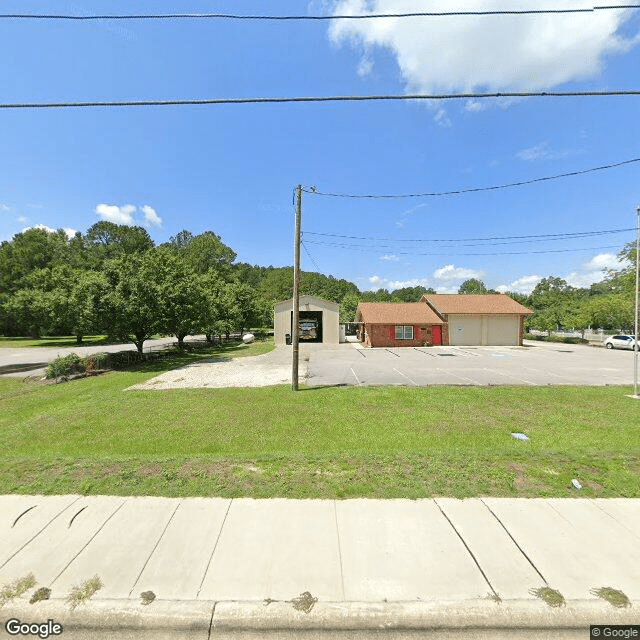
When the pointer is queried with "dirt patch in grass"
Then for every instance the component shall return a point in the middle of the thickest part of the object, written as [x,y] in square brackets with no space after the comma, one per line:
[149,470]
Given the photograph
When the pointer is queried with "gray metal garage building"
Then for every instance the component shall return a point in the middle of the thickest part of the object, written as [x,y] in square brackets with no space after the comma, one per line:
[318,321]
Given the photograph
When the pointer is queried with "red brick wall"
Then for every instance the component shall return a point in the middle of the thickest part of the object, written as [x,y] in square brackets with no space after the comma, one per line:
[445,332]
[379,335]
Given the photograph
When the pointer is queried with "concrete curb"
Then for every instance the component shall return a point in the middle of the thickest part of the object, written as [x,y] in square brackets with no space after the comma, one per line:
[204,619]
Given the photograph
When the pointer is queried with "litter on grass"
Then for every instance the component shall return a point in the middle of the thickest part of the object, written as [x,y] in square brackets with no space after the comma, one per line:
[576,484]
[519,436]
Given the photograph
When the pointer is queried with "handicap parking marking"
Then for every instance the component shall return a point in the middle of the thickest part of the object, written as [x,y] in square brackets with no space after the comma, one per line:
[406,376]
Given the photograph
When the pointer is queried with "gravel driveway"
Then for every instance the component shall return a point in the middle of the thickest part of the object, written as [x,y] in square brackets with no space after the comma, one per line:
[254,371]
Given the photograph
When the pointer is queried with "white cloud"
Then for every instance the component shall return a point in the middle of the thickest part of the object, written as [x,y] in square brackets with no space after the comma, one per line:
[593,270]
[4,207]
[377,282]
[446,289]
[116,214]
[389,257]
[151,217]
[473,106]
[70,232]
[22,219]
[392,285]
[467,53]
[39,226]
[542,151]
[603,261]
[451,272]
[442,118]
[525,284]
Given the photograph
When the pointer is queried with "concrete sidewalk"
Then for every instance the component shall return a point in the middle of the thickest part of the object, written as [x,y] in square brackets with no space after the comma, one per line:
[244,568]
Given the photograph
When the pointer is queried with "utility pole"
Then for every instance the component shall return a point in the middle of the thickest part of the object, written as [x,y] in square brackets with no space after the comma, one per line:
[635,352]
[296,292]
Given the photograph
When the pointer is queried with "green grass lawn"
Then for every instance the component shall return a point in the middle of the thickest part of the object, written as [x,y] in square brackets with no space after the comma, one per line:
[54,341]
[91,436]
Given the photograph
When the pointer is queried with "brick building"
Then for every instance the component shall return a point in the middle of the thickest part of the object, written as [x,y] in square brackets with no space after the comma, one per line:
[399,324]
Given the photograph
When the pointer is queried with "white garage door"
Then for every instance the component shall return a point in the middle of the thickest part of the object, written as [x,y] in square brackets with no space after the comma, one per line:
[496,330]
[465,330]
[502,330]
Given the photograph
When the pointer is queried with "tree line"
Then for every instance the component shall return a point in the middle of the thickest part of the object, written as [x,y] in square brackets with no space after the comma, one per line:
[114,280]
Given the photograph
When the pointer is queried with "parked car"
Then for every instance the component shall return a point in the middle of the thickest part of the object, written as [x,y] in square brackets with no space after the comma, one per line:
[620,342]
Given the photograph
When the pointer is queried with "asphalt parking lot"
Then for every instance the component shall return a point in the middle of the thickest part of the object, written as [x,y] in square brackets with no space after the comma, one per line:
[532,364]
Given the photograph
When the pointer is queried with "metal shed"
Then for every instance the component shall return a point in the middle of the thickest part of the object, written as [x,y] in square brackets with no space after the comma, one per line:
[318,321]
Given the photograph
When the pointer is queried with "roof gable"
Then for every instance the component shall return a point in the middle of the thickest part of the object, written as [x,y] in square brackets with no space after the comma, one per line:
[474,304]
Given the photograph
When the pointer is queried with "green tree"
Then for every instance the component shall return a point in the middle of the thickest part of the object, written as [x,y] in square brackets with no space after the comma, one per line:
[132,309]
[472,286]
[84,303]
[348,307]
[106,240]
[207,252]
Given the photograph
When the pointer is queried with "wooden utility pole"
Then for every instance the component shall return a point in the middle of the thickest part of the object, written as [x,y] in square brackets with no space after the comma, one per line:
[295,341]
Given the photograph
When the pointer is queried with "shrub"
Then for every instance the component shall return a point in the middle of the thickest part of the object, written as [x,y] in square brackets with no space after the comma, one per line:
[65,366]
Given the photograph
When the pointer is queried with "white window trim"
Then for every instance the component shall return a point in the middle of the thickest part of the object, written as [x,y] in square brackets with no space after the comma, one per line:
[403,328]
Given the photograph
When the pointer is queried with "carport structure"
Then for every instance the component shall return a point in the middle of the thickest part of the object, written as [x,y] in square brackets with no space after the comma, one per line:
[485,319]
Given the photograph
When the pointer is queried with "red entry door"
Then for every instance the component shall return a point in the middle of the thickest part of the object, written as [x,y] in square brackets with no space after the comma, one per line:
[437,334]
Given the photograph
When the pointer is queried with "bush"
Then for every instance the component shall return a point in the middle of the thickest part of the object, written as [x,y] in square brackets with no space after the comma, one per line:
[565,339]
[65,366]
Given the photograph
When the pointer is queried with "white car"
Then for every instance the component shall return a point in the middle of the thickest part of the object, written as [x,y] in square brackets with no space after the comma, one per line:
[620,342]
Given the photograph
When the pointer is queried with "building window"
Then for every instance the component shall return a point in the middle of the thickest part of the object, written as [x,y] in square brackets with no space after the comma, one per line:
[404,332]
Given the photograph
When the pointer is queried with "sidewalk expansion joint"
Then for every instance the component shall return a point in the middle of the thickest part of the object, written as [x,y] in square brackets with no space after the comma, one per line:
[215,546]
[496,596]
[621,524]
[514,542]
[100,528]
[38,533]
[213,613]
[155,546]
[335,513]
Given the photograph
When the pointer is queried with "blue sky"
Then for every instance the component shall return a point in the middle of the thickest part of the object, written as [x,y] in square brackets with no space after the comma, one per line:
[232,169]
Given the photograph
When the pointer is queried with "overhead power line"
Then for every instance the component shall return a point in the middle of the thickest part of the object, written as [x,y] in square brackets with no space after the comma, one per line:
[501,253]
[370,16]
[275,100]
[546,237]
[304,246]
[314,191]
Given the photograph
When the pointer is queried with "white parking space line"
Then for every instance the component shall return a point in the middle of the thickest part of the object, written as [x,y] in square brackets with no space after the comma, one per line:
[509,375]
[354,375]
[406,376]
[455,375]
[426,353]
